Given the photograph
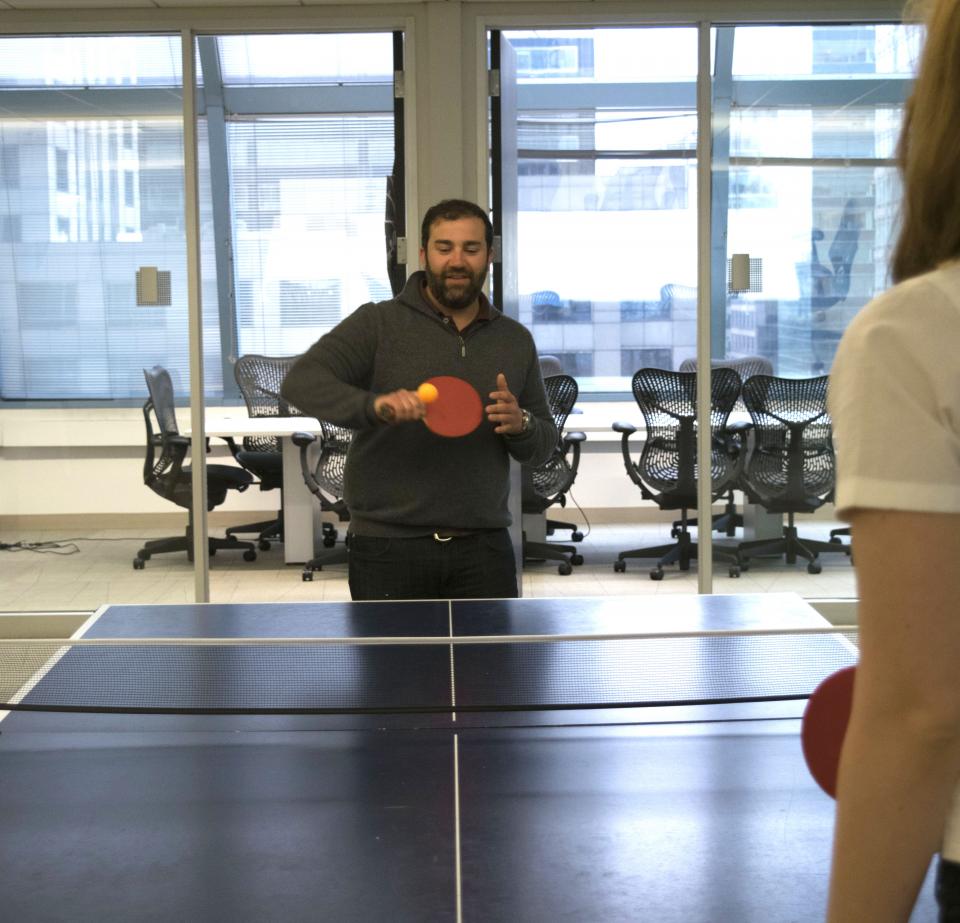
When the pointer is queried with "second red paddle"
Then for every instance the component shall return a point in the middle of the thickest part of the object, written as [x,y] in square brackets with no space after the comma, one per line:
[456,410]
[824,726]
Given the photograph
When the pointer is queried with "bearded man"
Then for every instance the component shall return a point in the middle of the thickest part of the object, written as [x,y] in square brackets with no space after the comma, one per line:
[428,514]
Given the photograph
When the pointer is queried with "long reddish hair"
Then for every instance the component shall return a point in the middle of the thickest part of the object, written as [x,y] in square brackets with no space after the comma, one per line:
[929,151]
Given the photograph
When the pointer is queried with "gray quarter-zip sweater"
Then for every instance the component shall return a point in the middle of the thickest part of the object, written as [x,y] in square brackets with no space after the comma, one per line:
[404,480]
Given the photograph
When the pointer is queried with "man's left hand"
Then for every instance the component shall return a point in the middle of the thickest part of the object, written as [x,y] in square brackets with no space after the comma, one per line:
[505,412]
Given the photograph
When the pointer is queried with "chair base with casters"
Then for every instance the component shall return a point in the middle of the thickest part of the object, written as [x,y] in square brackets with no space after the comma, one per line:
[791,546]
[332,554]
[554,524]
[268,467]
[835,539]
[680,552]
[185,543]
[567,555]
[266,530]
[726,522]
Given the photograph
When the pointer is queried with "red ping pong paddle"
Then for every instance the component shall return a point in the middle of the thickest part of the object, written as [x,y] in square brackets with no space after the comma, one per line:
[824,726]
[457,409]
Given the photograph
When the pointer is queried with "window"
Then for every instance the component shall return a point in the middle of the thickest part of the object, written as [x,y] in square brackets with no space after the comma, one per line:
[635,359]
[10,166]
[813,191]
[805,182]
[10,229]
[303,238]
[309,305]
[47,305]
[307,223]
[554,57]
[577,364]
[606,193]
[62,168]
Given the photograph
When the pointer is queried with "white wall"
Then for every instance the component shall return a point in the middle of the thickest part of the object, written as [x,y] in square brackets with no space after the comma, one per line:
[68,462]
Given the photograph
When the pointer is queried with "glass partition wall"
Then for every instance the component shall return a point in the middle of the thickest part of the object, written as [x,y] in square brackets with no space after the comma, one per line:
[305,130]
[91,202]
[295,146]
[803,203]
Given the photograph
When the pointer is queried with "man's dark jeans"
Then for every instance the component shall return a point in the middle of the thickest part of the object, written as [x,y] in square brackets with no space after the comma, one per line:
[480,565]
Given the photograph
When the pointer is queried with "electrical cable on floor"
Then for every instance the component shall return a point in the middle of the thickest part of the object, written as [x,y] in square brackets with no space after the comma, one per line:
[63,546]
[41,547]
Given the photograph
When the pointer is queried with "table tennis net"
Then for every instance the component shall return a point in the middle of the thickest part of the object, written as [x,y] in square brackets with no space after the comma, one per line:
[417,675]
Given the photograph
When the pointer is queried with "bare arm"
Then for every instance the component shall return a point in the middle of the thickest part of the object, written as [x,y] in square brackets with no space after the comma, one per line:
[901,759]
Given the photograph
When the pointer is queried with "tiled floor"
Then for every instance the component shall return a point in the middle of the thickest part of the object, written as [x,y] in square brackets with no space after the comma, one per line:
[101,572]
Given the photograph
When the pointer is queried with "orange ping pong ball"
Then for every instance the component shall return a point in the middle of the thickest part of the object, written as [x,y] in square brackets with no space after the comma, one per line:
[427,392]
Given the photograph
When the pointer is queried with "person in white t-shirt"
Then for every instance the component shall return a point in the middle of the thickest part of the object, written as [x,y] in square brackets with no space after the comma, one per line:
[895,404]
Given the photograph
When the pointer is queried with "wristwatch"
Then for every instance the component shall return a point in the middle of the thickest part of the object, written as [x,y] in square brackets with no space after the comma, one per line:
[527,420]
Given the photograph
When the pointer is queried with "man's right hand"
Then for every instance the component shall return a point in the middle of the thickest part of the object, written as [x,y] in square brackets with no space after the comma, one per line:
[399,407]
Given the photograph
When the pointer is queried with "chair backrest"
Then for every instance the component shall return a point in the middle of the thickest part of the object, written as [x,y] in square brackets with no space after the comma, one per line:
[259,379]
[160,389]
[562,392]
[792,463]
[744,366]
[668,402]
[164,455]
[545,482]
[333,457]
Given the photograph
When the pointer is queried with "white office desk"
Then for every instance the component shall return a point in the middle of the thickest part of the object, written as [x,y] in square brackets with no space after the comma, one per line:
[301,510]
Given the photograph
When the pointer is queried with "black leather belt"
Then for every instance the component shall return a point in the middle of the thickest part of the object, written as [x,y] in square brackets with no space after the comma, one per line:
[448,535]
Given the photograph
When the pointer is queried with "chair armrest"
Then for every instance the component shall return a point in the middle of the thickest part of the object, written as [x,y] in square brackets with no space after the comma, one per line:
[733,439]
[570,445]
[626,430]
[231,445]
[302,440]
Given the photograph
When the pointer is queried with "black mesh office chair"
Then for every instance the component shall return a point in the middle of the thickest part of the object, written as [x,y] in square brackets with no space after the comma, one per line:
[666,471]
[745,366]
[165,473]
[325,481]
[259,379]
[545,485]
[551,365]
[791,467]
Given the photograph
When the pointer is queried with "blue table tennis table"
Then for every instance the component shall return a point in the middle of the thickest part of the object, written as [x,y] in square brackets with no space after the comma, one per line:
[671,812]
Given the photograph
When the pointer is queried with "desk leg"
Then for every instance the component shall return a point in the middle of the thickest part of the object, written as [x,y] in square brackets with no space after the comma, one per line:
[301,511]
[759,525]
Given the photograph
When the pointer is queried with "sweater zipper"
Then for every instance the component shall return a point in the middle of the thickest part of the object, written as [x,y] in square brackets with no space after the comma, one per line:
[460,339]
